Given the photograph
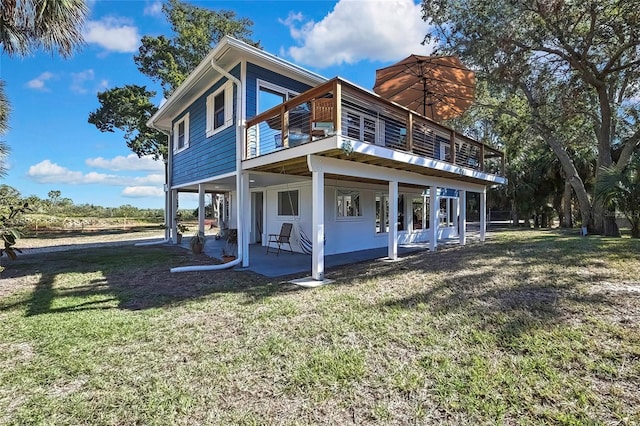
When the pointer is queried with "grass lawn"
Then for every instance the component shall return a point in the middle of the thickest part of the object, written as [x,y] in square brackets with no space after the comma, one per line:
[527,328]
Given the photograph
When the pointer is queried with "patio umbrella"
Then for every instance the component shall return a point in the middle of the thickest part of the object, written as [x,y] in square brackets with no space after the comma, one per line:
[439,87]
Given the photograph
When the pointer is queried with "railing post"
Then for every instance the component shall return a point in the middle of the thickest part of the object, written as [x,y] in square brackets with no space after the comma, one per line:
[337,109]
[246,143]
[410,132]
[284,120]
[482,157]
[452,147]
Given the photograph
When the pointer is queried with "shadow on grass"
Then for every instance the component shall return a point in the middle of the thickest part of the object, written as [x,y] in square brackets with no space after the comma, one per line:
[130,278]
[510,286]
[470,278]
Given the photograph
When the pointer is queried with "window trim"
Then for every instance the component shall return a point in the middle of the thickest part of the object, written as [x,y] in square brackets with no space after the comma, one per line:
[187,131]
[227,90]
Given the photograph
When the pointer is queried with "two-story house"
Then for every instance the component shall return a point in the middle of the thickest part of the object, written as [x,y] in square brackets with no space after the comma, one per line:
[348,169]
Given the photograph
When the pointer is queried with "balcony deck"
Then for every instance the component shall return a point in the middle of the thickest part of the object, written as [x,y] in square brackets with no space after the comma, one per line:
[340,120]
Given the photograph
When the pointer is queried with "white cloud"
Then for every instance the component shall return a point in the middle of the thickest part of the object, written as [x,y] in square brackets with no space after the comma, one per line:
[142,191]
[359,30]
[78,80]
[40,81]
[153,9]
[48,172]
[130,162]
[113,34]
[153,179]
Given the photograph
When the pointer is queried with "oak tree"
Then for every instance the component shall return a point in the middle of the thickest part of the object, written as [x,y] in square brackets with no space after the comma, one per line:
[571,61]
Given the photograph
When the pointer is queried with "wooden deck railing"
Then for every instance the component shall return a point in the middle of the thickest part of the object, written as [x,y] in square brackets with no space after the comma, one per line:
[338,107]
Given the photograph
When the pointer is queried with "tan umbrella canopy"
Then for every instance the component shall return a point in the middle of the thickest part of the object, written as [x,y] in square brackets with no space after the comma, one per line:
[439,87]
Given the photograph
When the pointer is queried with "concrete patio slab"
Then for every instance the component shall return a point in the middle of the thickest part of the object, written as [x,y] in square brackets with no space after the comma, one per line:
[287,264]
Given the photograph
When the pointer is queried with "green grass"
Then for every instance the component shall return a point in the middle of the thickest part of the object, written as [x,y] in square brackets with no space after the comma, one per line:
[528,328]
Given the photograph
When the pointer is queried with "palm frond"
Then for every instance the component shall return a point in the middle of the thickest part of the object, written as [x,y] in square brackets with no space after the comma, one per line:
[53,25]
[5,109]
[608,188]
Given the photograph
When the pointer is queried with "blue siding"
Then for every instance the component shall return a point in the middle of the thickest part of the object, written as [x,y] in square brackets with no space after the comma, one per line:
[255,73]
[209,157]
[206,157]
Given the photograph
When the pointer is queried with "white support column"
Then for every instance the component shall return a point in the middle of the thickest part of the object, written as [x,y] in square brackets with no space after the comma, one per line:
[167,212]
[408,214]
[434,221]
[174,216]
[483,214]
[201,194]
[447,208]
[424,212]
[317,231]
[456,212]
[264,237]
[393,220]
[224,215]
[245,197]
[462,224]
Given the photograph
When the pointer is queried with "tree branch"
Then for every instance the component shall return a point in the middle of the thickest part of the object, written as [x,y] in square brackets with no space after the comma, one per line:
[628,148]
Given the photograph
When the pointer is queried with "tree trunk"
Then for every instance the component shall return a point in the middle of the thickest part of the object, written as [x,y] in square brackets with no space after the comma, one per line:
[568,167]
[635,227]
[573,178]
[557,207]
[567,219]
[604,219]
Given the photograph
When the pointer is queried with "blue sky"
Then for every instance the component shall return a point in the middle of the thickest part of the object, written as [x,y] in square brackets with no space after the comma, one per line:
[53,147]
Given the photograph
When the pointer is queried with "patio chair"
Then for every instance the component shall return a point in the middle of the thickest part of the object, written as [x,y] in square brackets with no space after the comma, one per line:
[284,237]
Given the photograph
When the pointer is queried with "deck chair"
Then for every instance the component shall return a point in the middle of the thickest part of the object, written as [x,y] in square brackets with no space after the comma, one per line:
[322,118]
[284,237]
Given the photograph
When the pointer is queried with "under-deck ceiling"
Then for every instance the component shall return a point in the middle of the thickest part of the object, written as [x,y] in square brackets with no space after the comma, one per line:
[298,166]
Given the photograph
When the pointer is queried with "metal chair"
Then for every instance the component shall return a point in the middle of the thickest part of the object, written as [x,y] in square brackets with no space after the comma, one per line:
[284,237]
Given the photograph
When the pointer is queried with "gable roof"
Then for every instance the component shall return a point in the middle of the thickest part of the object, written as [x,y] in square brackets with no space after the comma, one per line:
[226,54]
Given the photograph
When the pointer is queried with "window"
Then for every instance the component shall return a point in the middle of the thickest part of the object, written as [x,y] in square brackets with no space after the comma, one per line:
[288,203]
[420,208]
[361,127]
[445,151]
[270,95]
[382,212]
[220,109]
[181,133]
[348,203]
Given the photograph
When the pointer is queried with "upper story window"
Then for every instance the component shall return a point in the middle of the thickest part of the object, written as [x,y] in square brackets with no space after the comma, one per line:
[220,109]
[181,133]
[271,95]
[360,126]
